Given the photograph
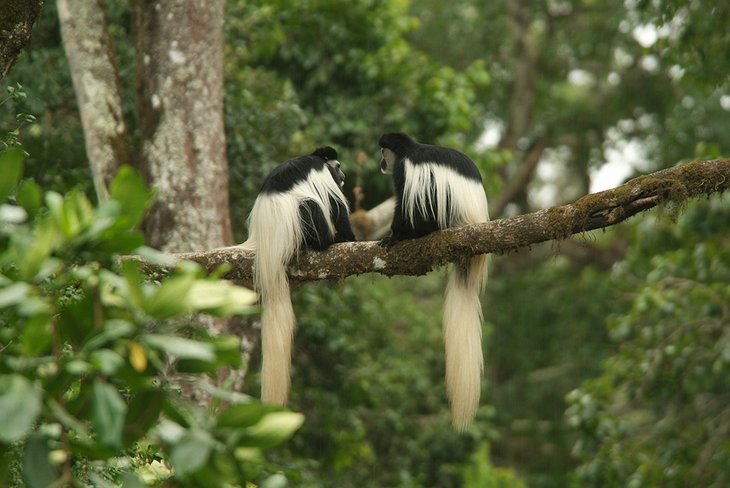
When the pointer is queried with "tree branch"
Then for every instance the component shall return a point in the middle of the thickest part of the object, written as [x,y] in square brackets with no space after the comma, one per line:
[419,256]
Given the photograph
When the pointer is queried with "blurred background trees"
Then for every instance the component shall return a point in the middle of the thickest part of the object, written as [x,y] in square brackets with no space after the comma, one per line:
[624,328]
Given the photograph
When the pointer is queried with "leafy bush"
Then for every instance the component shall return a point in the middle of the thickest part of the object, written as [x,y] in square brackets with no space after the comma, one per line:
[658,414]
[89,345]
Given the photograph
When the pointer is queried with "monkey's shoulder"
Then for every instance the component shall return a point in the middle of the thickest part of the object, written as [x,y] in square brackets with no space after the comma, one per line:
[283,177]
[447,157]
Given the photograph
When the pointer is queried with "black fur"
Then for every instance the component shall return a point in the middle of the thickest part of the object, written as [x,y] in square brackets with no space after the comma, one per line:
[405,147]
[317,233]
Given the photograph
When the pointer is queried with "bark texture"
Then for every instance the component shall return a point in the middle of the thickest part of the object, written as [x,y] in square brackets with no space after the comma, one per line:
[419,256]
[16,22]
[180,107]
[92,59]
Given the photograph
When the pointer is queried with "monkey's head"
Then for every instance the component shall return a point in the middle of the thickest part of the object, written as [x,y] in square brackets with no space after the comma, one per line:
[329,154]
[393,147]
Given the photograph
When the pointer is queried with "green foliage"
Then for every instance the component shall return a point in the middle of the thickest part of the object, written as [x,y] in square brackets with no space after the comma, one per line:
[368,374]
[11,138]
[658,414]
[691,35]
[302,74]
[368,364]
[89,346]
[482,474]
[544,342]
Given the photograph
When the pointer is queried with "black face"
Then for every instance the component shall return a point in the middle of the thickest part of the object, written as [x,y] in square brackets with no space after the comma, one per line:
[330,156]
[326,152]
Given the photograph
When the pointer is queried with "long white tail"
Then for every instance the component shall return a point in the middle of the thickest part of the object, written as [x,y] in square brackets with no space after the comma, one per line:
[275,233]
[462,328]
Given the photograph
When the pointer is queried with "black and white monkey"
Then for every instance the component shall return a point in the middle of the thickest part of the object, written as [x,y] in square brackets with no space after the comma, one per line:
[437,188]
[300,205]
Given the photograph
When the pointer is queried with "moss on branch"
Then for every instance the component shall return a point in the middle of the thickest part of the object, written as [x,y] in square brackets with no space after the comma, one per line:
[671,186]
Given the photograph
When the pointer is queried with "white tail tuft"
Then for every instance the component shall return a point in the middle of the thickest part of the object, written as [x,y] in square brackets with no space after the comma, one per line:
[276,233]
[427,187]
[462,328]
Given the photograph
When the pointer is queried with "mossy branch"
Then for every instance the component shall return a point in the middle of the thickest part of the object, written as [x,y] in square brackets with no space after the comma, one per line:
[419,256]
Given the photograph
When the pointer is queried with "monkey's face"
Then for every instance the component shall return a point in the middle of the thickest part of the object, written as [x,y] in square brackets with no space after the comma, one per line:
[335,165]
[388,161]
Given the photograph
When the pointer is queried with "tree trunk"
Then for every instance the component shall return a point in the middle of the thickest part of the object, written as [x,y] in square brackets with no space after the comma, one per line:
[180,110]
[92,59]
[16,22]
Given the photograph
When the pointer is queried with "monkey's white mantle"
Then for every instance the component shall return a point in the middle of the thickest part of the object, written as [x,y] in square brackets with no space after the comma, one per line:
[419,256]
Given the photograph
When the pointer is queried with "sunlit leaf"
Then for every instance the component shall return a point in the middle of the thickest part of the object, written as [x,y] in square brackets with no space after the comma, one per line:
[14,294]
[170,298]
[12,214]
[276,480]
[273,429]
[221,297]
[243,415]
[180,347]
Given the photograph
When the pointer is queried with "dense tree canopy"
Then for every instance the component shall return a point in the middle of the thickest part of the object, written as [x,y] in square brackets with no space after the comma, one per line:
[606,353]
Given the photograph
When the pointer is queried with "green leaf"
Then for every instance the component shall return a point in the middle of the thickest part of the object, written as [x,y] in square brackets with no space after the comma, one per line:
[228,350]
[69,421]
[36,335]
[14,294]
[107,414]
[30,197]
[129,189]
[142,414]
[12,214]
[243,415]
[134,280]
[221,297]
[120,242]
[37,469]
[20,405]
[11,167]
[273,429]
[113,329]
[34,257]
[54,202]
[180,347]
[107,361]
[276,480]
[170,298]
[191,451]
